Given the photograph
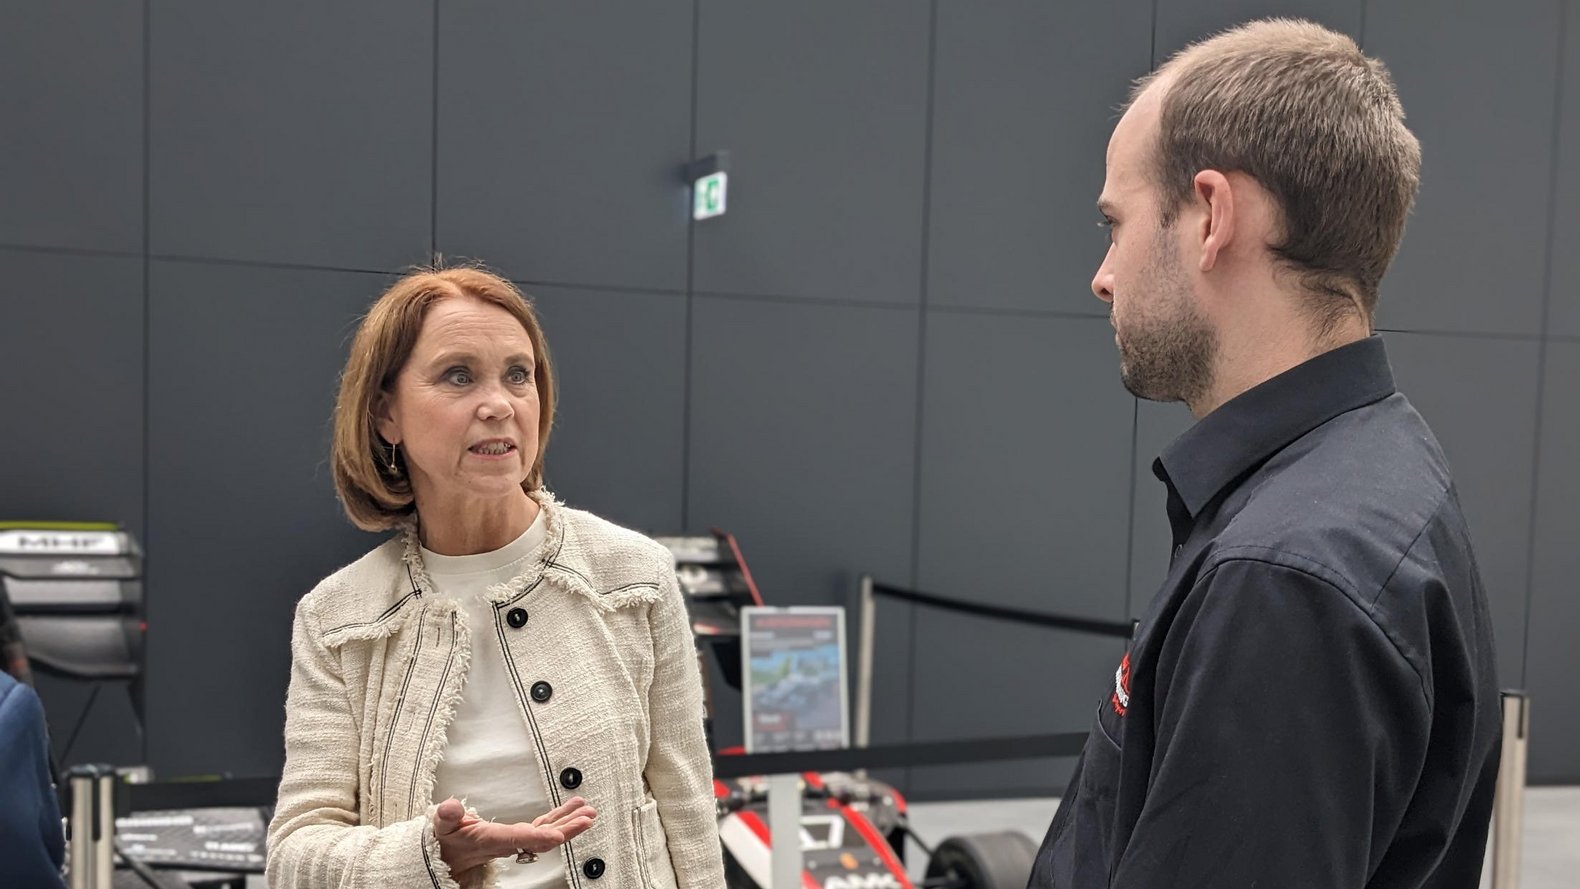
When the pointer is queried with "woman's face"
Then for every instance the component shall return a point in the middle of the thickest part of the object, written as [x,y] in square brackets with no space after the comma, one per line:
[464,409]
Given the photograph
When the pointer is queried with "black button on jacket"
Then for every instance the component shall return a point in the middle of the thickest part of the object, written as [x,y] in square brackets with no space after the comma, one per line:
[1310,700]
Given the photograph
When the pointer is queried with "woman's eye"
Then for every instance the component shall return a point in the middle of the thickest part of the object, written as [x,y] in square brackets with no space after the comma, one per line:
[518,376]
[458,376]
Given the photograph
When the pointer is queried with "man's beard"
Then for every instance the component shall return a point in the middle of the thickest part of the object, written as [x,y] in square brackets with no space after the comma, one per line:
[1166,353]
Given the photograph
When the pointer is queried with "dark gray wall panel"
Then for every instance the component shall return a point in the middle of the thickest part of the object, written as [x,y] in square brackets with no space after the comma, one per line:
[1157,425]
[1181,22]
[105,723]
[823,108]
[72,346]
[242,513]
[1477,85]
[803,419]
[980,678]
[1564,297]
[1025,501]
[894,659]
[1018,155]
[1479,397]
[802,444]
[292,132]
[1025,482]
[618,443]
[71,149]
[562,132]
[1554,607]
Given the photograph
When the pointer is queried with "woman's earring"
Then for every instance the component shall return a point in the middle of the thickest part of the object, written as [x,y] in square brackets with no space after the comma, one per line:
[394,470]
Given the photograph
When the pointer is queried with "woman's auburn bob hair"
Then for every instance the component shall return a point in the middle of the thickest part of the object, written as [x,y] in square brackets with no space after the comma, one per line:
[374,496]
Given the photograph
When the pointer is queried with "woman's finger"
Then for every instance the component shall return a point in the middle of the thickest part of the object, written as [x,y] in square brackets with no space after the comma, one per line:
[563,809]
[575,828]
[586,811]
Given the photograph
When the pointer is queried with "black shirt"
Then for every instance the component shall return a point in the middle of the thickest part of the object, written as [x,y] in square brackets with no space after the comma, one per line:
[1310,699]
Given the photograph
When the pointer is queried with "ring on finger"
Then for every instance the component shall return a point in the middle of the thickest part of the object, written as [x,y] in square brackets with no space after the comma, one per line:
[525,856]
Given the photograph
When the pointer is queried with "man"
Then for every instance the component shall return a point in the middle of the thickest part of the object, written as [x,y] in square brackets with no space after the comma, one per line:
[1310,699]
[31,842]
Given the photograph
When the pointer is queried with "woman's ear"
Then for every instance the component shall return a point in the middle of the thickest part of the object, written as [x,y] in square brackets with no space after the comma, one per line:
[386,418]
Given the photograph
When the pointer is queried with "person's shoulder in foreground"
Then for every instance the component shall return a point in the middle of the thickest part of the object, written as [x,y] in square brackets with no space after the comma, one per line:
[32,846]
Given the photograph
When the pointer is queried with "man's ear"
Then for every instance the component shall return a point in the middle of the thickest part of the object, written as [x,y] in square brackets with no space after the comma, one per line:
[1217,224]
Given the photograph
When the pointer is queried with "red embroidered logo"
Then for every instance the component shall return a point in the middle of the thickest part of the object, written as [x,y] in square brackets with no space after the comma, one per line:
[1120,699]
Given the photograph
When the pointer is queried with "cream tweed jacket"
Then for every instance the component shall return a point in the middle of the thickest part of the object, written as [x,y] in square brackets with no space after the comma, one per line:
[605,674]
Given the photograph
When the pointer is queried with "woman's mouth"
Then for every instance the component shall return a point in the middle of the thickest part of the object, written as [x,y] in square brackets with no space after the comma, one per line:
[496,448]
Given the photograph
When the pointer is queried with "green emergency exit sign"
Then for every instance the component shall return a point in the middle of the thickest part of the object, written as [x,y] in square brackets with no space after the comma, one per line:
[708,195]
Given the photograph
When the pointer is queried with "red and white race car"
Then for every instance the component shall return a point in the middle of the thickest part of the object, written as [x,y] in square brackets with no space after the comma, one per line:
[853,833]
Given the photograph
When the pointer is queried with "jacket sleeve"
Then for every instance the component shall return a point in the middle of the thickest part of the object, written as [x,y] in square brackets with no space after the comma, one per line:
[679,770]
[316,838]
[31,843]
[1289,731]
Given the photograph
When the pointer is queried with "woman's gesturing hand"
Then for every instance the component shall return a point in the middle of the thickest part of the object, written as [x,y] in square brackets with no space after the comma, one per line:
[466,841]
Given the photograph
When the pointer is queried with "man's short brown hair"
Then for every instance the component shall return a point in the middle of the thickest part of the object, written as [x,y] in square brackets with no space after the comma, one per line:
[1303,111]
[375,497]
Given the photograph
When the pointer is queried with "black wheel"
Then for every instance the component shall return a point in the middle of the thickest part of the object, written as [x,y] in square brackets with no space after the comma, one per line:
[984,860]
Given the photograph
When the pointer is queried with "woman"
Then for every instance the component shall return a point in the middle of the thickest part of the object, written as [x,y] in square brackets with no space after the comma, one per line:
[500,649]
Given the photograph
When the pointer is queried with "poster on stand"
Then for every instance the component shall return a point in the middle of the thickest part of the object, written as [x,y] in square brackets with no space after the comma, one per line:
[793,664]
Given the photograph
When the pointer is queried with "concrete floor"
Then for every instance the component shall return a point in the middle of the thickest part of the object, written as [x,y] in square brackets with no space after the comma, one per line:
[1551,847]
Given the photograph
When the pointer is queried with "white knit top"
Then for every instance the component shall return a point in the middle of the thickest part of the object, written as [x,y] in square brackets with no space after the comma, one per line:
[488,761]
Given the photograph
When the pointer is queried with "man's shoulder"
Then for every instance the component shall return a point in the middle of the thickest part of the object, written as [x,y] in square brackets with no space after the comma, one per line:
[1366,482]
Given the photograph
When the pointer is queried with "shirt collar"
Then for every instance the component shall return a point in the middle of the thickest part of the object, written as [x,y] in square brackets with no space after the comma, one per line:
[1261,421]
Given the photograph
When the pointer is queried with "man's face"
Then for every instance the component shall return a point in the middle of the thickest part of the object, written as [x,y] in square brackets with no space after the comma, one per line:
[1166,345]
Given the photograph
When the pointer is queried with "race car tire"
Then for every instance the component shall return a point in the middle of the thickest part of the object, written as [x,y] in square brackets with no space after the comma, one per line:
[984,860]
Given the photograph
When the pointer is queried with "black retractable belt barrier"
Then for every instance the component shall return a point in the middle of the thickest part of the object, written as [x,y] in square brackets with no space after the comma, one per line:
[261,791]
[1118,629]
[884,756]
